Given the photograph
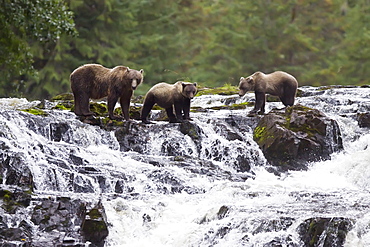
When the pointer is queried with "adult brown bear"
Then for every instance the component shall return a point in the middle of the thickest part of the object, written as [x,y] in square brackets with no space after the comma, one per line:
[168,96]
[278,83]
[95,81]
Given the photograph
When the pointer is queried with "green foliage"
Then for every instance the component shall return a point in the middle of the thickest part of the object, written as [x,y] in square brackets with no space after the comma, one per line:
[24,24]
[209,42]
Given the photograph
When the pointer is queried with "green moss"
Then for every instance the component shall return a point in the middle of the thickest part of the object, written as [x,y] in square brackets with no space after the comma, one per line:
[65,96]
[7,197]
[261,134]
[100,109]
[305,128]
[109,122]
[230,107]
[63,106]
[35,111]
[227,89]
[241,105]
[95,214]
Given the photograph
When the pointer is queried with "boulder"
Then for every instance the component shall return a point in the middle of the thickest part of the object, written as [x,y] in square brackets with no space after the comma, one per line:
[363,120]
[292,137]
[325,232]
[94,227]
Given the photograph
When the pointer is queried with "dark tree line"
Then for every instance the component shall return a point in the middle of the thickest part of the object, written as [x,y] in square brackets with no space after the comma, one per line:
[211,42]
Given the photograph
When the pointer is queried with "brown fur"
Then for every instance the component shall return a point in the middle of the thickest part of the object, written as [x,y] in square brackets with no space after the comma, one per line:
[95,81]
[278,83]
[168,96]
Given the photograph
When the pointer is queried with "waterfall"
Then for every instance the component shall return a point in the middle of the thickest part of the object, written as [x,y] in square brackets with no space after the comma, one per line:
[206,184]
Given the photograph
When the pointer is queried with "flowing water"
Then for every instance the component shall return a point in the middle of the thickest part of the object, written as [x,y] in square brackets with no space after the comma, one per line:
[213,191]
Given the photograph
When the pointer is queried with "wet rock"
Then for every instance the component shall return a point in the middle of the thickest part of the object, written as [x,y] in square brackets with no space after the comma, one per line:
[273,225]
[325,232]
[62,214]
[15,171]
[94,227]
[224,210]
[363,120]
[64,96]
[12,200]
[58,131]
[58,220]
[191,129]
[293,137]
[132,137]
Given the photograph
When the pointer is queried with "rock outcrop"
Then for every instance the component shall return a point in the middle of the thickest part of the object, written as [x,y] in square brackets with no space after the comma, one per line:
[293,137]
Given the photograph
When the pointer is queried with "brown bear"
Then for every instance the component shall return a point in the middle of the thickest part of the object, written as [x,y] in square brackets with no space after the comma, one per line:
[95,81]
[278,83]
[166,96]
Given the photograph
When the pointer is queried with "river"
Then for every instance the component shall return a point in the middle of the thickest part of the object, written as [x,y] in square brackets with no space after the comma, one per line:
[173,190]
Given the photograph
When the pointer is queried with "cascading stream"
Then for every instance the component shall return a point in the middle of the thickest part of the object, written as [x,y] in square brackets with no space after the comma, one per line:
[210,188]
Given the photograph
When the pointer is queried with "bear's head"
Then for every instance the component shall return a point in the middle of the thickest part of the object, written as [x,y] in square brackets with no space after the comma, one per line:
[246,84]
[135,77]
[189,89]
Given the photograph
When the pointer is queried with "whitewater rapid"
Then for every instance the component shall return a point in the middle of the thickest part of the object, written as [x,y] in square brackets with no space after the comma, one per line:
[160,202]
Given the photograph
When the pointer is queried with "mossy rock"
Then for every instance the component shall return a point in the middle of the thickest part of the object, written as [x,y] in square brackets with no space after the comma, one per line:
[64,105]
[94,228]
[325,231]
[13,200]
[64,97]
[35,111]
[191,129]
[227,89]
[100,109]
[134,112]
[272,98]
[293,137]
[107,122]
[363,120]
[240,106]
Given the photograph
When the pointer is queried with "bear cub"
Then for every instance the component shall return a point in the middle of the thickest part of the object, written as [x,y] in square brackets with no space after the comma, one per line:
[95,81]
[278,83]
[169,96]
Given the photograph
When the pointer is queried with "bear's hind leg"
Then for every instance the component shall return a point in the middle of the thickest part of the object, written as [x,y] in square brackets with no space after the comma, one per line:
[77,109]
[83,105]
[147,107]
[287,101]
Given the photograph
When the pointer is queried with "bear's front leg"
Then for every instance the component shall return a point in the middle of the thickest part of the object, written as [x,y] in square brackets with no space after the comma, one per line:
[171,116]
[178,110]
[186,109]
[260,103]
[125,106]
[112,100]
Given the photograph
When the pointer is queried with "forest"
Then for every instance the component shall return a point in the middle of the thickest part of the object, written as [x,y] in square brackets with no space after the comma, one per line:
[211,42]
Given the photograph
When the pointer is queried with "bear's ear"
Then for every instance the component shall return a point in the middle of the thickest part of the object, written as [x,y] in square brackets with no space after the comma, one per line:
[195,84]
[128,69]
[241,78]
[141,71]
[183,84]
[249,80]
